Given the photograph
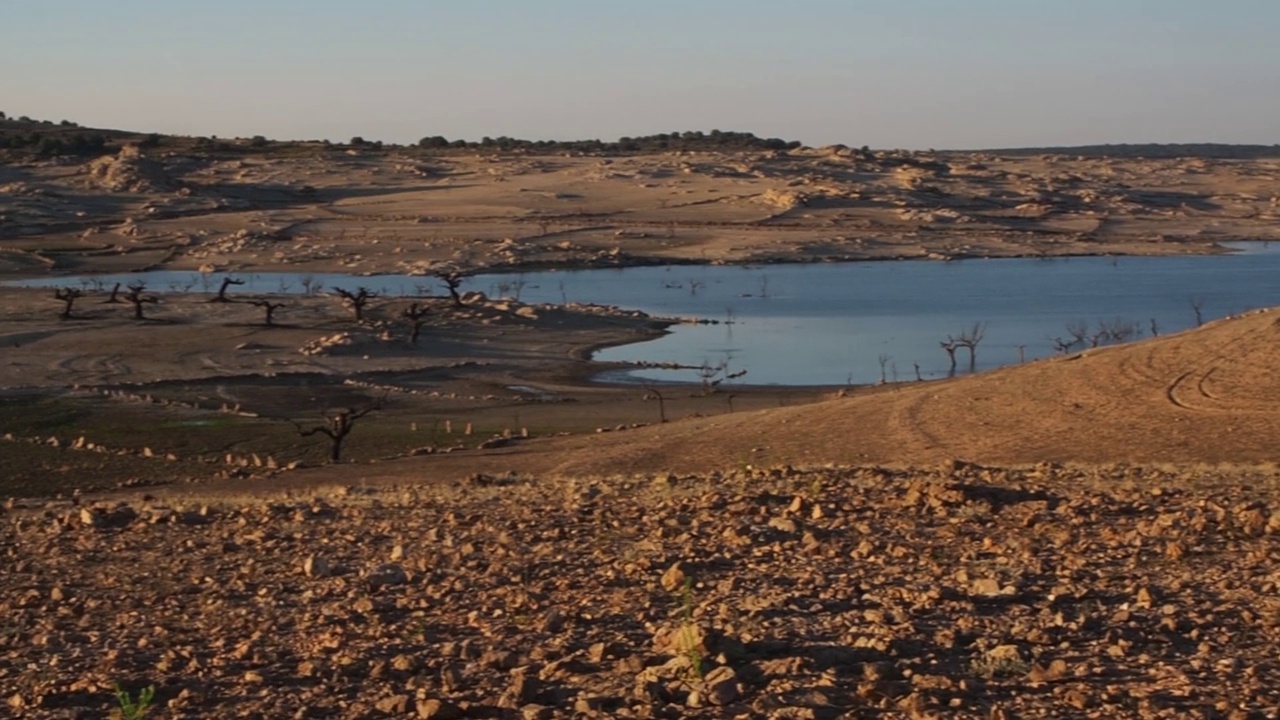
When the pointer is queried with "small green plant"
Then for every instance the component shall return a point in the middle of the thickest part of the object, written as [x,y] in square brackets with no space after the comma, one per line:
[689,639]
[131,709]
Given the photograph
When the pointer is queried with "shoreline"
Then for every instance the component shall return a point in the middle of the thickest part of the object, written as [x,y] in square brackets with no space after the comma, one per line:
[1168,249]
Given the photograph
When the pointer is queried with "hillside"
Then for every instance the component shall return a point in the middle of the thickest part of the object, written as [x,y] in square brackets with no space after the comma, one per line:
[1206,396]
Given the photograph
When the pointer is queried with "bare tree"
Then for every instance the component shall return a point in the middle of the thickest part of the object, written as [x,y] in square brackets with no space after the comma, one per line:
[268,307]
[1062,346]
[416,314]
[1099,336]
[1155,328]
[452,281]
[652,393]
[135,296]
[114,297]
[1079,332]
[969,340]
[950,345]
[1120,330]
[68,296]
[221,297]
[918,377]
[708,373]
[884,362]
[310,285]
[338,423]
[356,300]
[1197,307]
[1022,353]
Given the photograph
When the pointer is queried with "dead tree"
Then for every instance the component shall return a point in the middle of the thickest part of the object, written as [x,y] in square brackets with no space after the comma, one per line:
[707,374]
[221,297]
[884,361]
[1155,328]
[950,345]
[356,300]
[268,307]
[68,296]
[969,340]
[338,423]
[136,296]
[1100,336]
[1120,330]
[651,393]
[452,281]
[416,314]
[1062,346]
[1079,332]
[1022,353]
[114,297]
[1197,307]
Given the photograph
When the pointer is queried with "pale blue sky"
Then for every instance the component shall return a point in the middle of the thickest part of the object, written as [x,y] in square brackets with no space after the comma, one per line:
[885,73]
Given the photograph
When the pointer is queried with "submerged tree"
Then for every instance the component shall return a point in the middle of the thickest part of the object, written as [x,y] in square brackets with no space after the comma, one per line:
[221,297]
[452,281]
[68,296]
[969,340]
[138,299]
[356,300]
[1197,307]
[713,375]
[950,346]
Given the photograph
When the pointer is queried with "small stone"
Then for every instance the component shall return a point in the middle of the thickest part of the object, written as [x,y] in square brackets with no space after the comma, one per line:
[722,686]
[553,621]
[394,705]
[673,579]
[388,574]
[316,566]
[438,710]
[989,587]
[784,524]
[536,712]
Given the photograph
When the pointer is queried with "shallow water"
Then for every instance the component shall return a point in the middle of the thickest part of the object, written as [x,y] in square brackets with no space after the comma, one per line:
[832,324]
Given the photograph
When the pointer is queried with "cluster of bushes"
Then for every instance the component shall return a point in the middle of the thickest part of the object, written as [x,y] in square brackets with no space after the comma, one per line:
[693,140]
[50,145]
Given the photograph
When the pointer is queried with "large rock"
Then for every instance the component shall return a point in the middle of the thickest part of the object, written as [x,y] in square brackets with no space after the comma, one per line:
[130,171]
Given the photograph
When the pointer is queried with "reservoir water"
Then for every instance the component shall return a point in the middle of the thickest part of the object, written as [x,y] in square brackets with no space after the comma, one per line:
[831,324]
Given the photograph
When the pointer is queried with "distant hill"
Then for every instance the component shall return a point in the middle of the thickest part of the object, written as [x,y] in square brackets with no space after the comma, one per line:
[1149,150]
[46,139]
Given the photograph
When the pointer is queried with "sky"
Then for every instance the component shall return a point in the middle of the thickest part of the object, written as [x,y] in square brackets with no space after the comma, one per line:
[886,73]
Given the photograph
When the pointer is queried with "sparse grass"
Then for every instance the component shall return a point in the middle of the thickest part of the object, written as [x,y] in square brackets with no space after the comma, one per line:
[990,667]
[688,640]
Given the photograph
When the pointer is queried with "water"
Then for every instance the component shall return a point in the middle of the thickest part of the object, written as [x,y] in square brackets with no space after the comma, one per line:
[832,324]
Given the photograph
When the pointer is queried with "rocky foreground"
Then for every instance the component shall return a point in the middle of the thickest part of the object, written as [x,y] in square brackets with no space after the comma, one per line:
[956,592]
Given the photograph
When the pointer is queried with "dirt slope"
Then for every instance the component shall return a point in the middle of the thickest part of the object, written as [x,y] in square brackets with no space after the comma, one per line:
[1210,395]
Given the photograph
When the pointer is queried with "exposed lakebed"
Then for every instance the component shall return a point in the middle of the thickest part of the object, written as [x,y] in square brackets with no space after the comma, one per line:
[830,324]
